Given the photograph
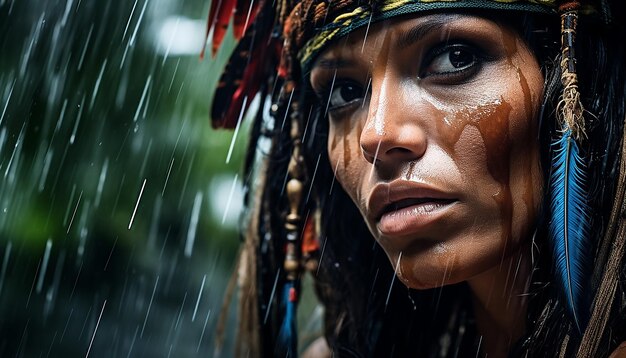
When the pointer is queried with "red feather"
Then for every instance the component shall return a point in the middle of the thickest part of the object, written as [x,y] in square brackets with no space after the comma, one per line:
[310,242]
[215,6]
[248,88]
[220,21]
[245,13]
[226,110]
[250,65]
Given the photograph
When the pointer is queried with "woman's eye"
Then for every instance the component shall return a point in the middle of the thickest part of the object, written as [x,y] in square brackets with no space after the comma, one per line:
[343,94]
[451,60]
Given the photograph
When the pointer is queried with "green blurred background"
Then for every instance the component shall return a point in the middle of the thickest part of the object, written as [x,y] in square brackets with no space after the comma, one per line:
[118,206]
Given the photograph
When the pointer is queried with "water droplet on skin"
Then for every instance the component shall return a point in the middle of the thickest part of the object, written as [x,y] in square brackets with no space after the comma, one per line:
[440,248]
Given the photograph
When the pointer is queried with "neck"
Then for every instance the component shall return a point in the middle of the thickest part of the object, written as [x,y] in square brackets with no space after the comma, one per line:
[499,302]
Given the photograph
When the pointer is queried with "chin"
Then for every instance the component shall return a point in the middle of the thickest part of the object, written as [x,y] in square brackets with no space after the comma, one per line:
[414,276]
[444,263]
[430,281]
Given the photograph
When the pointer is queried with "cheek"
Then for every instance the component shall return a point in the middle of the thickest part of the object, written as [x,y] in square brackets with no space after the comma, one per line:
[495,146]
[344,153]
[523,92]
[526,177]
[501,150]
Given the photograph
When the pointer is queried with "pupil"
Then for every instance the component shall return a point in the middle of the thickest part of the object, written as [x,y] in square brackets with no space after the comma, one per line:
[349,93]
[460,58]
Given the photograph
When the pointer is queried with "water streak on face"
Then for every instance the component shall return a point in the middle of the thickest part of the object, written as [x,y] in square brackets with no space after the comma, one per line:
[432,127]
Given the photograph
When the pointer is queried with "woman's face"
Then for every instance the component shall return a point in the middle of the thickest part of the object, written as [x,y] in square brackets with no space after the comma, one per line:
[433,134]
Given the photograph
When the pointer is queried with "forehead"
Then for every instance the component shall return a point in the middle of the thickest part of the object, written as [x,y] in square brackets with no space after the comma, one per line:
[400,33]
[343,18]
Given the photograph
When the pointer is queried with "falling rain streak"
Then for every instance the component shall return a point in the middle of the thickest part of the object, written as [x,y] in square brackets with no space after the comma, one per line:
[6,104]
[74,213]
[195,310]
[232,142]
[230,198]
[149,306]
[393,279]
[42,272]
[193,224]
[5,263]
[96,329]
[132,218]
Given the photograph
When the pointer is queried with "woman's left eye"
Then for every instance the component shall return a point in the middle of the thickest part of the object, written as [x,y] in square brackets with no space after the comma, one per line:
[450,60]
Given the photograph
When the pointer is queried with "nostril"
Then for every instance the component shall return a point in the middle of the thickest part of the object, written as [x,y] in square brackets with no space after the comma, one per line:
[398,150]
[380,153]
[369,156]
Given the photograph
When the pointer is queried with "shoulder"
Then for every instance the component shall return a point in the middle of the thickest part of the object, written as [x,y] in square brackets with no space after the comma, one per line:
[619,352]
[319,348]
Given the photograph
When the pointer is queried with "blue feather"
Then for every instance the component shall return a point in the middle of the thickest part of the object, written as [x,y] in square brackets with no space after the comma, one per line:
[287,343]
[570,227]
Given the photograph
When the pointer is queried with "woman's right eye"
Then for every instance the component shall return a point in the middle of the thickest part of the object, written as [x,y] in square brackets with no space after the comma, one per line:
[344,94]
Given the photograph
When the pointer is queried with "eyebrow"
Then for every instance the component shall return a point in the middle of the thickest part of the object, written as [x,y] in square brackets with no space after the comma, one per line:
[420,30]
[333,63]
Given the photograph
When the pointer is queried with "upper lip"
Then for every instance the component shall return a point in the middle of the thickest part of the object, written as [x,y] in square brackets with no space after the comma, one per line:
[388,197]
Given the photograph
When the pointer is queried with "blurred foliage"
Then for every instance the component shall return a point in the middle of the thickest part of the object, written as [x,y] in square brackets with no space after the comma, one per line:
[113,237]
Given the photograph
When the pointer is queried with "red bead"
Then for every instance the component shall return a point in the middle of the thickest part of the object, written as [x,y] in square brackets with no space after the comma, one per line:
[293,296]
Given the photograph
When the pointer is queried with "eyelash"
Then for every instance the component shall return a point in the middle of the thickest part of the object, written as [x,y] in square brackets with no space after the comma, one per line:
[458,76]
[324,93]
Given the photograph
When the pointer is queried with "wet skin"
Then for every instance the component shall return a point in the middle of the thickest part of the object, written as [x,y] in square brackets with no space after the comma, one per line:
[432,129]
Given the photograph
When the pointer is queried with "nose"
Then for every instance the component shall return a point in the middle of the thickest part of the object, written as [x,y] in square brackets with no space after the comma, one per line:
[394,132]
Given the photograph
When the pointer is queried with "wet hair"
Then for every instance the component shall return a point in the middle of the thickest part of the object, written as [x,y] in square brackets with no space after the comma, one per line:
[370,313]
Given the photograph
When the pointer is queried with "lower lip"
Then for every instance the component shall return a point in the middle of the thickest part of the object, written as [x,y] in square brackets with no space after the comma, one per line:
[412,219]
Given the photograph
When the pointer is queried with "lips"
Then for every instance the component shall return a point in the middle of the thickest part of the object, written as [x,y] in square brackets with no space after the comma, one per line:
[420,205]
[404,207]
